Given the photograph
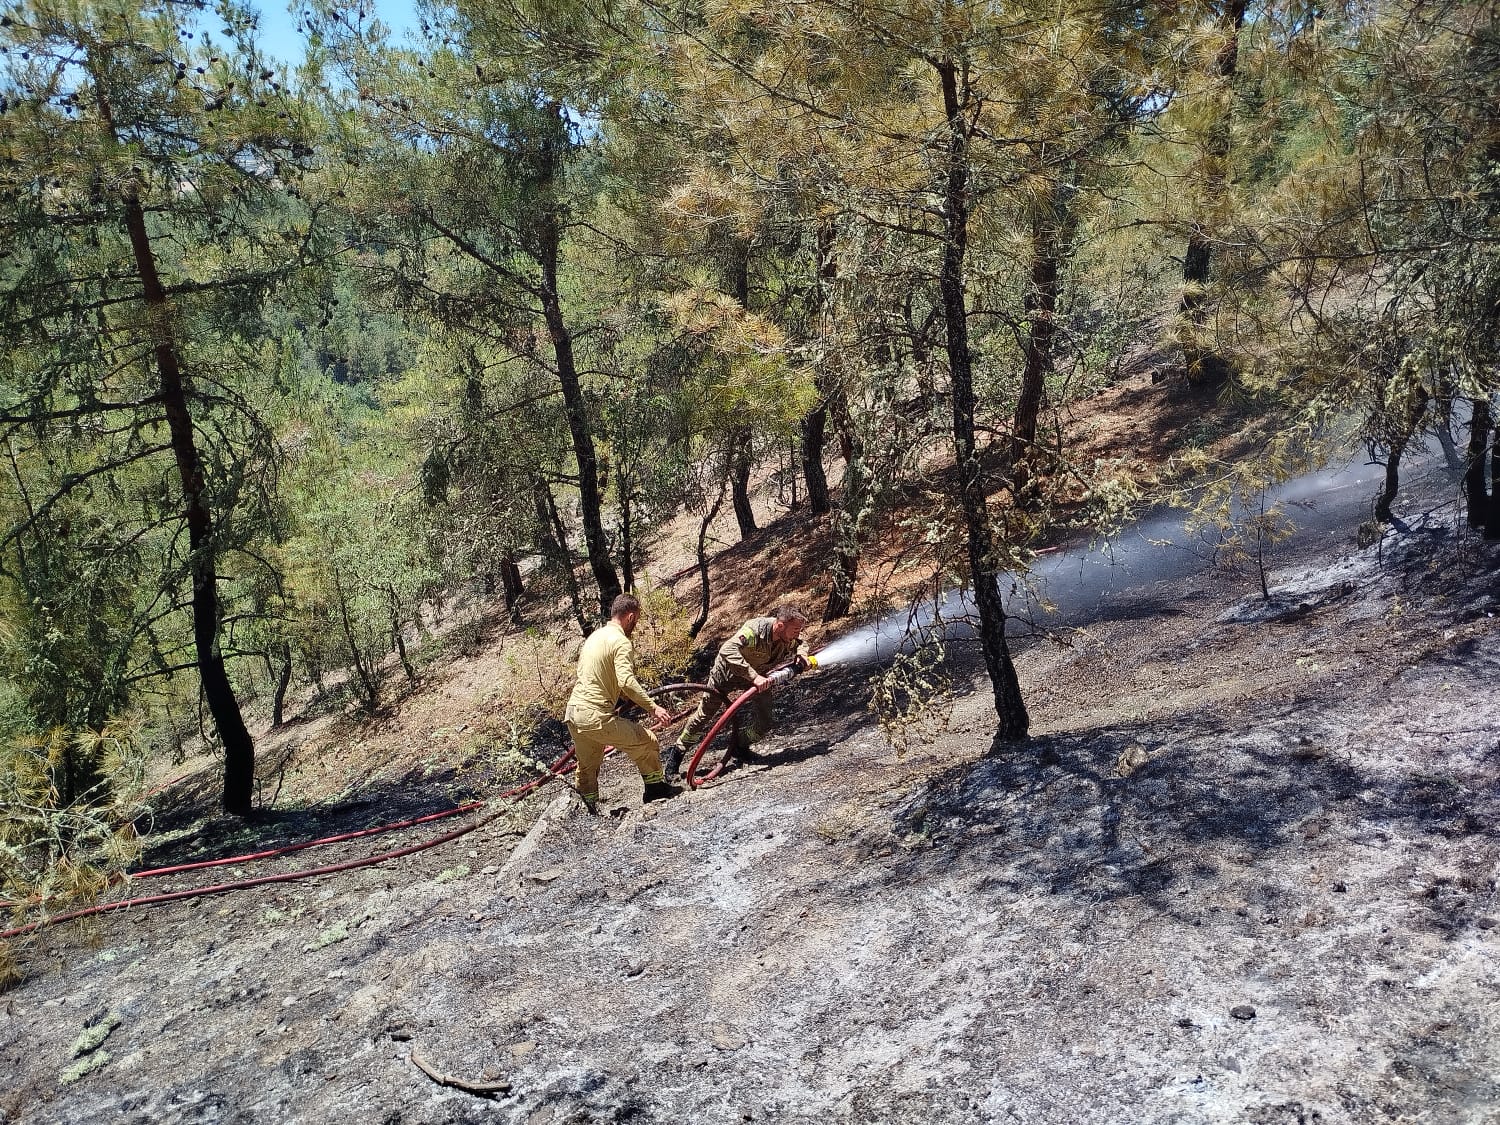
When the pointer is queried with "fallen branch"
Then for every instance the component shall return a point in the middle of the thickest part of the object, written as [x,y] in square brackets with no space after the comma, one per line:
[481,1088]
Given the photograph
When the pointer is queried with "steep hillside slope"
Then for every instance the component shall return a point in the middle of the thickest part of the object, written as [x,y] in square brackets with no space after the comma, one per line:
[1245,873]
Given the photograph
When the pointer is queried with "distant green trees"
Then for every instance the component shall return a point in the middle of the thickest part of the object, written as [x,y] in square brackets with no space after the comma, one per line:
[1375,238]
[471,174]
[943,161]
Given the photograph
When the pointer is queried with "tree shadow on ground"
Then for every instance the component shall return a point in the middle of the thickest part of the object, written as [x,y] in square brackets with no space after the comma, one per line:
[183,832]
[834,700]
[1153,811]
[772,759]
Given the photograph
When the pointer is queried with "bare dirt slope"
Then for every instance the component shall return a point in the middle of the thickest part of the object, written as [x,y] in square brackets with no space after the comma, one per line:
[1245,873]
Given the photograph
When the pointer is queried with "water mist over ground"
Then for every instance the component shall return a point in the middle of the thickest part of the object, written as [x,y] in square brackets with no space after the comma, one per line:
[1078,584]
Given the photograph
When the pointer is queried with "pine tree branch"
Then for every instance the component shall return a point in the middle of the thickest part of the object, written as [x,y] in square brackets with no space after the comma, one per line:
[71,481]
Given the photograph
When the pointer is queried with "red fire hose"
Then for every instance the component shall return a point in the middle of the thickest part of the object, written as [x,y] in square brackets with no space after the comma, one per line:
[152,872]
[553,771]
[691,774]
[688,691]
[780,672]
[286,877]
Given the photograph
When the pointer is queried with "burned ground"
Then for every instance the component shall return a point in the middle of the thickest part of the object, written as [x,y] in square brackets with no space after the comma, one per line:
[1243,872]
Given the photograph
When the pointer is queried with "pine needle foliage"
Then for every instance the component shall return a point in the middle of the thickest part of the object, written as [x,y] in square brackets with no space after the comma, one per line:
[58,852]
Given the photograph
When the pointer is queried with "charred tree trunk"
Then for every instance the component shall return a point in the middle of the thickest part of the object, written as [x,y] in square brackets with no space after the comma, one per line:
[742,447]
[1492,505]
[283,683]
[218,692]
[1049,241]
[845,570]
[833,404]
[369,686]
[548,238]
[703,591]
[510,581]
[1476,494]
[815,424]
[406,664]
[814,437]
[1444,407]
[848,536]
[627,541]
[398,635]
[1390,485]
[590,502]
[1399,440]
[740,465]
[1205,366]
[854,505]
[1010,708]
[555,544]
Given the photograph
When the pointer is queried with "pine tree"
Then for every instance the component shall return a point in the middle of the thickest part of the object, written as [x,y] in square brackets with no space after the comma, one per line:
[143,202]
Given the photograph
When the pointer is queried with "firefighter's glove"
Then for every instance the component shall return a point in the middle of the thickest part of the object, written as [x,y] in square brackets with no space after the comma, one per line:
[800,663]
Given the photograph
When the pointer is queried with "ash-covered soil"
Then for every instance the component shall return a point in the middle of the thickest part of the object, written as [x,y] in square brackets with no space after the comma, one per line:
[1245,872]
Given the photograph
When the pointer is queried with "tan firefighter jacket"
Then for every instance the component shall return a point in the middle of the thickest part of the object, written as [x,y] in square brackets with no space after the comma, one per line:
[752,650]
[606,671]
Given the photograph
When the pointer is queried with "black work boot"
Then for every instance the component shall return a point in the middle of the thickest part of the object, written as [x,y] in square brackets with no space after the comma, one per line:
[660,791]
[671,760]
[742,750]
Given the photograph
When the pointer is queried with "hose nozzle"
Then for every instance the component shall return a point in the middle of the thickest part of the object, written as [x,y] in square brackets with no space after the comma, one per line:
[781,675]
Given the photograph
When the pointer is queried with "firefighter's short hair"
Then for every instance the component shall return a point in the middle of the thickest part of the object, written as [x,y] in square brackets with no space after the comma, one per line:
[625,603]
[789,612]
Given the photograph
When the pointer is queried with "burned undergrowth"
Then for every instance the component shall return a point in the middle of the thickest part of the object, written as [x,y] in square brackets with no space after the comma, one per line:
[1243,872]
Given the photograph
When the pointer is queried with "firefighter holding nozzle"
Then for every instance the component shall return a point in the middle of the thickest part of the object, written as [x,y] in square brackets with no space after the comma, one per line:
[759,646]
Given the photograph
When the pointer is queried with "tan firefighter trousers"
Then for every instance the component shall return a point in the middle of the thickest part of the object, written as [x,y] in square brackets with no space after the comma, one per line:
[591,737]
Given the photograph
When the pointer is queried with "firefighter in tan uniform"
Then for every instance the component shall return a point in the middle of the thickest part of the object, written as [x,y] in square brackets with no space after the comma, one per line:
[759,646]
[606,671]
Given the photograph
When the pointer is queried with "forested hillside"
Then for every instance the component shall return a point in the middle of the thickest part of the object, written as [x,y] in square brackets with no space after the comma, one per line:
[299,358]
